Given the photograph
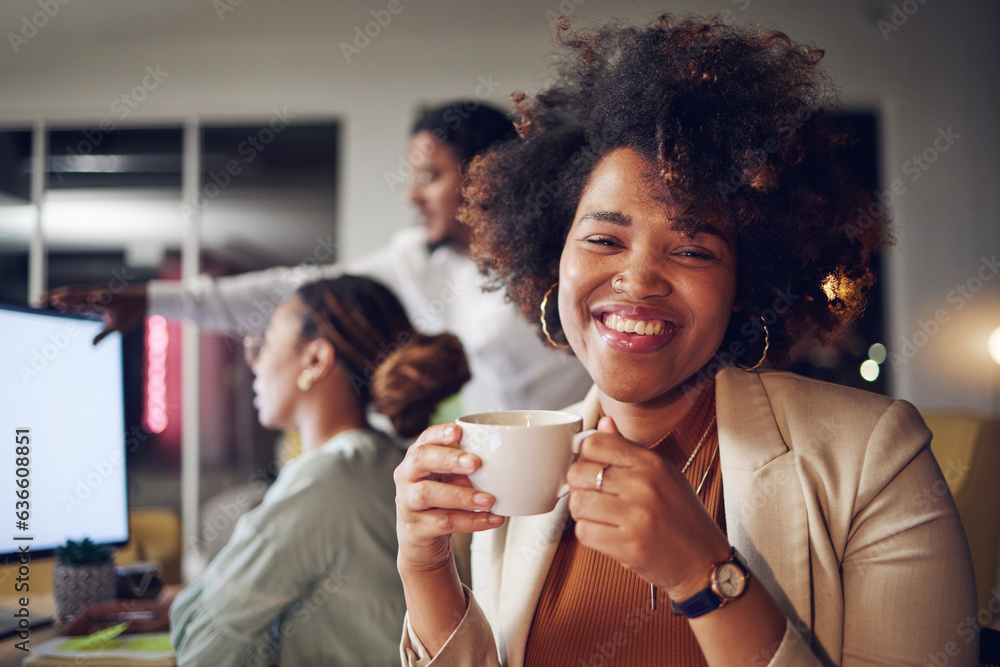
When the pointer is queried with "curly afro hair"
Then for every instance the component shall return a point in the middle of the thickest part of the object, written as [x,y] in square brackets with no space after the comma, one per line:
[740,125]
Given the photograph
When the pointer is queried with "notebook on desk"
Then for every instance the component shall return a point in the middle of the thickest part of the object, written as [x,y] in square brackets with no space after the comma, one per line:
[139,650]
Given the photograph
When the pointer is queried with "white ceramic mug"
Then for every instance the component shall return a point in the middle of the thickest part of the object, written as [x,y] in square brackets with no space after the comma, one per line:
[525,455]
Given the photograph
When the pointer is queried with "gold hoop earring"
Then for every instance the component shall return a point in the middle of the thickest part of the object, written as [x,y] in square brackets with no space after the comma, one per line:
[545,327]
[305,380]
[767,344]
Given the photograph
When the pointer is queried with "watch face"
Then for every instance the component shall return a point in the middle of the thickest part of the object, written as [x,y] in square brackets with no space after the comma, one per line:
[730,580]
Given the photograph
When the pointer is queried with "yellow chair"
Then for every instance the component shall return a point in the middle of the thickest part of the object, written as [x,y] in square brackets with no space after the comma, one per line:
[967,448]
[155,534]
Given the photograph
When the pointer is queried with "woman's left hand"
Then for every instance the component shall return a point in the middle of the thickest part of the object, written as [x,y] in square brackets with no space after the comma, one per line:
[646,515]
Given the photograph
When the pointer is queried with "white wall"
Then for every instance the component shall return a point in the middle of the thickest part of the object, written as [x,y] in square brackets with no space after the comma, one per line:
[938,70]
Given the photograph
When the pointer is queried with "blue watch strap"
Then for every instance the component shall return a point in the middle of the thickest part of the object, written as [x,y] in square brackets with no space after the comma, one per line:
[697,605]
[707,599]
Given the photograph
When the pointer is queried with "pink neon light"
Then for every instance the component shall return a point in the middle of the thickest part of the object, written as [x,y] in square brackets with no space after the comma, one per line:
[156,374]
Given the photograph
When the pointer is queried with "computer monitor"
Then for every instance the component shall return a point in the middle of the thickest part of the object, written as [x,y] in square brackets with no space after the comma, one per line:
[62,425]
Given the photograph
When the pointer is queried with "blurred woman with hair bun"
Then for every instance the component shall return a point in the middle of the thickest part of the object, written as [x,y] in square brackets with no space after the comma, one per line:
[310,575]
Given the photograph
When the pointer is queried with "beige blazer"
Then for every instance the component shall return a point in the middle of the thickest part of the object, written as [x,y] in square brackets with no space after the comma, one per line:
[835,501]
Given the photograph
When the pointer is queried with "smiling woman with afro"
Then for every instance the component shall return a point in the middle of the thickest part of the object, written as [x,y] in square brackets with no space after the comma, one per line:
[675,212]
[744,129]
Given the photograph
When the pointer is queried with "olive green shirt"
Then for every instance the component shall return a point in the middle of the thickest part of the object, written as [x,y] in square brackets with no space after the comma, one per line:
[309,575]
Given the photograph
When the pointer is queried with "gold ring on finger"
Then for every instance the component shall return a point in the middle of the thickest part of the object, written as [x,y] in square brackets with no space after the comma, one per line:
[600,479]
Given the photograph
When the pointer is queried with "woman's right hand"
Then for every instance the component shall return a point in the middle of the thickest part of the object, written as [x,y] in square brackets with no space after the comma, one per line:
[434,499]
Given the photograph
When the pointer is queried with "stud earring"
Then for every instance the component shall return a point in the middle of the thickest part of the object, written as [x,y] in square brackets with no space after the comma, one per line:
[305,380]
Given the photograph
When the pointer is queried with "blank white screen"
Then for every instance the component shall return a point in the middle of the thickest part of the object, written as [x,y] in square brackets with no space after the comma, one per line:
[68,393]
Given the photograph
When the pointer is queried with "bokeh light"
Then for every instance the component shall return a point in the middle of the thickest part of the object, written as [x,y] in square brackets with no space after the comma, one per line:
[877,353]
[994,345]
[869,370]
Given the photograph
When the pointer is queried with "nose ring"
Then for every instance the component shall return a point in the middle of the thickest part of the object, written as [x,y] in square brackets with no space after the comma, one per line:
[614,285]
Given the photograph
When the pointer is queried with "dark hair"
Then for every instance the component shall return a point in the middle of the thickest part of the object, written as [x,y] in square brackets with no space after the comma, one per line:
[743,132]
[403,373]
[467,126]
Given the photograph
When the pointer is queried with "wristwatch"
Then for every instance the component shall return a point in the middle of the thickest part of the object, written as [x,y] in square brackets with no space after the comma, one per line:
[729,581]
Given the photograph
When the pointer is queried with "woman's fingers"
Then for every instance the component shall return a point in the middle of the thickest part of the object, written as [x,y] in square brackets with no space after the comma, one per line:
[439,434]
[68,297]
[597,506]
[631,505]
[122,311]
[434,473]
[592,476]
[612,449]
[432,459]
[433,524]
[430,494]
[434,497]
[434,456]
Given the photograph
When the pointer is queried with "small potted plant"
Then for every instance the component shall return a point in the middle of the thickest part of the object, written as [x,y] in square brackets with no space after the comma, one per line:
[84,575]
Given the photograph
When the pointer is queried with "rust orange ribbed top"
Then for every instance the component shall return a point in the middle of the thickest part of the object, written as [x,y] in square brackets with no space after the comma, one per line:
[595,613]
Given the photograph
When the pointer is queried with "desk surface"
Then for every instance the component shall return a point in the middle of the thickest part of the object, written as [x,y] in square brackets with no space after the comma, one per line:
[38,605]
[42,605]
